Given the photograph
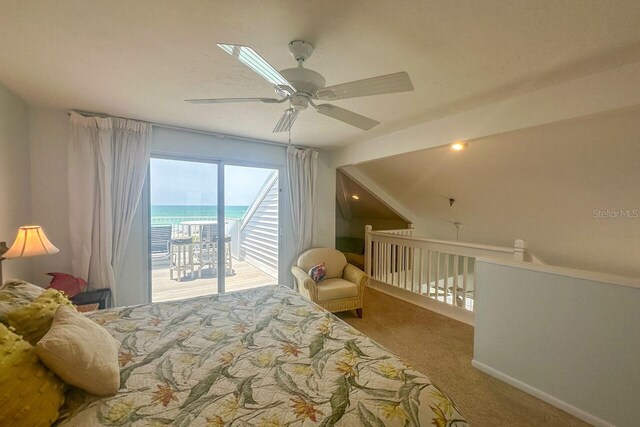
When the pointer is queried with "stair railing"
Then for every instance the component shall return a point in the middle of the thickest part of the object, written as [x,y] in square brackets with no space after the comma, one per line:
[438,269]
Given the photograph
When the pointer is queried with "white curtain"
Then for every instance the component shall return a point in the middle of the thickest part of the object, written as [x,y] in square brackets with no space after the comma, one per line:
[302,171]
[108,160]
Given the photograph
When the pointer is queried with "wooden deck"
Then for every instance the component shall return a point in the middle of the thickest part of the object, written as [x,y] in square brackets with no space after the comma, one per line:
[246,277]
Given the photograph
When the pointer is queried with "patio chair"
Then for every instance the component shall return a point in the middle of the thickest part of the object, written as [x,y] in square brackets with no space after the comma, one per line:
[160,240]
[181,258]
[204,250]
[210,240]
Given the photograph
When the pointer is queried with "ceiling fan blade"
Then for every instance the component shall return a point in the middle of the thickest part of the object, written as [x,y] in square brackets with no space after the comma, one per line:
[251,59]
[349,117]
[286,121]
[391,83]
[231,100]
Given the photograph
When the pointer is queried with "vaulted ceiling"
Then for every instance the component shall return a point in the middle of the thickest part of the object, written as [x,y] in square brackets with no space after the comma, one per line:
[141,59]
[366,206]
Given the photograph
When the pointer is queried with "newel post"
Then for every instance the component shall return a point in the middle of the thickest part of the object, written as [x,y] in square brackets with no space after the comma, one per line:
[367,249]
[519,248]
[410,229]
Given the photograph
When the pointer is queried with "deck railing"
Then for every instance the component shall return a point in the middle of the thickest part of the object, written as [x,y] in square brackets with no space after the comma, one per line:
[176,220]
[440,270]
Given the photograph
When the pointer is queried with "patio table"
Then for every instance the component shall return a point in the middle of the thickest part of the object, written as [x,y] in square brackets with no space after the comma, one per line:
[200,224]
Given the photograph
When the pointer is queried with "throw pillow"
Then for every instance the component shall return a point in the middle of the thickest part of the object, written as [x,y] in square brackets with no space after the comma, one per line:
[15,294]
[33,320]
[67,283]
[30,395]
[23,288]
[318,272]
[81,352]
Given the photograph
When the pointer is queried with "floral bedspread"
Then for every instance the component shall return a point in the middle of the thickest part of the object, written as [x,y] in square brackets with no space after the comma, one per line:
[263,357]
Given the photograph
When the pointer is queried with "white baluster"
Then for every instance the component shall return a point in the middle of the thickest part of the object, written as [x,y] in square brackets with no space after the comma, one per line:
[367,249]
[384,262]
[390,265]
[413,269]
[429,273]
[446,276]
[420,272]
[437,275]
[465,270]
[455,280]
[376,255]
[394,263]
[472,281]
[401,270]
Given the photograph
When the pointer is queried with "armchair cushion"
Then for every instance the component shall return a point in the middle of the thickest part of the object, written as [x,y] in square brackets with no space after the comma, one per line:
[337,288]
[334,260]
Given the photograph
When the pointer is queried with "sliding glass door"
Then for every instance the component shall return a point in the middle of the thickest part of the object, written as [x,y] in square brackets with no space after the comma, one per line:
[192,252]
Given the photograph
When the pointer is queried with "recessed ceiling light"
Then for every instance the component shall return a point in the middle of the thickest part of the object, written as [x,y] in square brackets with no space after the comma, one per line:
[458,146]
[355,197]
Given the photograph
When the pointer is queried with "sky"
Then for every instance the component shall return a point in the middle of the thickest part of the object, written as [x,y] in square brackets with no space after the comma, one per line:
[175,182]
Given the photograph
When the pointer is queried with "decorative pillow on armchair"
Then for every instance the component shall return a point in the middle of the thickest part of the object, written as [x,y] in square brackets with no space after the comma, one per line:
[318,272]
[67,283]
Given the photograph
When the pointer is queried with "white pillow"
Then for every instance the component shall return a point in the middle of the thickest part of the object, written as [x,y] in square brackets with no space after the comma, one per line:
[81,352]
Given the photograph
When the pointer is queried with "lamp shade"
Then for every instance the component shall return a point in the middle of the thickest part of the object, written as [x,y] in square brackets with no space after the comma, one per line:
[30,241]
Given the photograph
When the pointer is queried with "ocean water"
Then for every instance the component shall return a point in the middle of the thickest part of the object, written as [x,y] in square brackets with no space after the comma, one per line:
[175,214]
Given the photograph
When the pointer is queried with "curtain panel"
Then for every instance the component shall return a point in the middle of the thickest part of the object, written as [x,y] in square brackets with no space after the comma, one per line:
[302,171]
[108,161]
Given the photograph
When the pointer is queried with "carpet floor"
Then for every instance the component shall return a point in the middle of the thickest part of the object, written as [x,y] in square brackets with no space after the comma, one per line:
[442,349]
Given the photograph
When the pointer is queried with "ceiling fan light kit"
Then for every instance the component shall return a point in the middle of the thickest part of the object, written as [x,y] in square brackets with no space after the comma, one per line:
[301,86]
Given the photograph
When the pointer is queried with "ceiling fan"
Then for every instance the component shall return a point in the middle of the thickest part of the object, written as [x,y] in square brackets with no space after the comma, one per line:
[302,87]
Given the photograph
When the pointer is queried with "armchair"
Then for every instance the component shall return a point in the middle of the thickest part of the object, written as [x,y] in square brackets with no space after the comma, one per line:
[343,287]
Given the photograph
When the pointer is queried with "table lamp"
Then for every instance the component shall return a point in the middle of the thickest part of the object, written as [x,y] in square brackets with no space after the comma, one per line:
[30,241]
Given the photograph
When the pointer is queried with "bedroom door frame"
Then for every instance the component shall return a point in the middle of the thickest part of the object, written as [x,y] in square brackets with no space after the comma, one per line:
[221,163]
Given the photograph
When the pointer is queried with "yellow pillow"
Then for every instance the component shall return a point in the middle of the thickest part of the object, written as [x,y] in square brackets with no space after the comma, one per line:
[33,320]
[15,294]
[81,352]
[30,395]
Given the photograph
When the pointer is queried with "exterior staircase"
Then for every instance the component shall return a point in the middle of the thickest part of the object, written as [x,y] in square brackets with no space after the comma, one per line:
[259,229]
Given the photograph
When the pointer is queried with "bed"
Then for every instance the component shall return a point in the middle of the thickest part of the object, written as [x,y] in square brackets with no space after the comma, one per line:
[261,357]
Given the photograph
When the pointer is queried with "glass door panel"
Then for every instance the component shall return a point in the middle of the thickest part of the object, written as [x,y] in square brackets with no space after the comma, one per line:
[252,228]
[184,198]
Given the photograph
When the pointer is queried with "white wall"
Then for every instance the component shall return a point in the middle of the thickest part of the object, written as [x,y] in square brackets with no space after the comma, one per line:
[15,202]
[49,136]
[324,228]
[569,337]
